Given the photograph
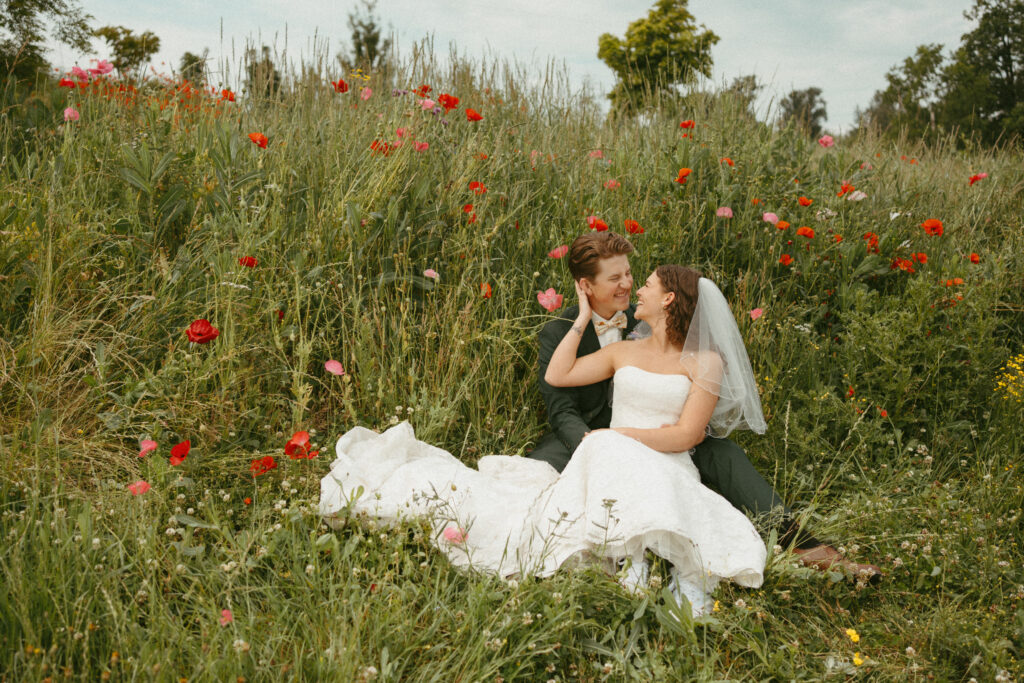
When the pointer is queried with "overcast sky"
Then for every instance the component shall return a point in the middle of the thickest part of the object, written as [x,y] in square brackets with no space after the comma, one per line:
[844,48]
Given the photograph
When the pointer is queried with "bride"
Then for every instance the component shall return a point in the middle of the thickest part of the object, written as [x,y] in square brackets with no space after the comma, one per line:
[627,490]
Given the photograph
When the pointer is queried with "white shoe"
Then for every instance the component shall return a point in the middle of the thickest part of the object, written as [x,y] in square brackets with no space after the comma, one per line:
[701,603]
[634,575]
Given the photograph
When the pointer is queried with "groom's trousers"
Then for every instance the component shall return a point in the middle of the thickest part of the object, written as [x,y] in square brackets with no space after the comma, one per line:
[725,468]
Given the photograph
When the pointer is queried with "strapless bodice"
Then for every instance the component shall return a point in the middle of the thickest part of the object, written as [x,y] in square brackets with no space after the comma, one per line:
[647,400]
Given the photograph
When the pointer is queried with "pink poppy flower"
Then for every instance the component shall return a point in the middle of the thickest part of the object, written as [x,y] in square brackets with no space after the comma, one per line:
[431,273]
[597,154]
[365,94]
[226,617]
[612,184]
[401,132]
[550,300]
[146,446]
[856,196]
[79,73]
[756,313]
[71,114]
[770,217]
[427,104]
[421,146]
[559,251]
[103,67]
[976,177]
[139,487]
[334,367]
[826,141]
[454,534]
[724,212]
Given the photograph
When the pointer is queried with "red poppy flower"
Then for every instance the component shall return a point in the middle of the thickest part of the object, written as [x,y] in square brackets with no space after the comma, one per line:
[68,83]
[247,500]
[976,177]
[473,115]
[755,201]
[849,392]
[596,223]
[201,331]
[958,281]
[450,102]
[726,160]
[683,175]
[485,290]
[804,201]
[477,187]
[467,208]
[975,259]
[687,124]
[920,257]
[227,95]
[179,452]
[903,264]
[280,314]
[248,261]
[804,231]
[423,91]
[559,251]
[844,188]
[340,86]
[259,139]
[632,227]
[933,227]
[785,259]
[872,240]
[481,157]
[883,413]
[297,447]
[838,238]
[262,465]
[782,225]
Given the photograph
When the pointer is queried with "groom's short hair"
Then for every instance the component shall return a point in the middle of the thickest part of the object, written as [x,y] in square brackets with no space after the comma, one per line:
[587,250]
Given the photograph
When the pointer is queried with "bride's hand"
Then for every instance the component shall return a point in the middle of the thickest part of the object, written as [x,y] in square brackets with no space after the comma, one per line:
[584,302]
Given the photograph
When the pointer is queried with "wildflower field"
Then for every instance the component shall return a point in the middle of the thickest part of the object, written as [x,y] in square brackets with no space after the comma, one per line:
[201,290]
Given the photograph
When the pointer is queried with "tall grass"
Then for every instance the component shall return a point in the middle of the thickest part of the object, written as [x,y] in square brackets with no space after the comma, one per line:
[120,229]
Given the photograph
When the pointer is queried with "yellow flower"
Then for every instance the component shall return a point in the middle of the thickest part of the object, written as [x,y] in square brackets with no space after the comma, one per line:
[857,661]
[854,636]
[717,607]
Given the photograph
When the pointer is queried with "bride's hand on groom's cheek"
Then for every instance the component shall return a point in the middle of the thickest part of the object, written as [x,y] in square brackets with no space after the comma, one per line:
[583,298]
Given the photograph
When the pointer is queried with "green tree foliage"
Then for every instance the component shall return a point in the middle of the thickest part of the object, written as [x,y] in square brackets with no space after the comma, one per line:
[910,99]
[805,109]
[369,48]
[23,29]
[978,89]
[130,51]
[262,79]
[192,67]
[659,52]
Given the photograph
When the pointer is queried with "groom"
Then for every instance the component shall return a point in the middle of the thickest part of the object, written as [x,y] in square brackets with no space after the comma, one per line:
[599,261]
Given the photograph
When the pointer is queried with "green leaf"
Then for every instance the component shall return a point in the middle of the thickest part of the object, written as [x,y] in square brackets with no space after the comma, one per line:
[189,520]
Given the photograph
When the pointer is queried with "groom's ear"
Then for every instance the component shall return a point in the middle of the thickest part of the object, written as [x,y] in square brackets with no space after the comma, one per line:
[585,286]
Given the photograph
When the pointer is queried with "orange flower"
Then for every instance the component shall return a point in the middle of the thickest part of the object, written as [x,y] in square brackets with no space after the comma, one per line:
[227,95]
[485,290]
[632,227]
[683,174]
[933,226]
[838,238]
[804,201]
[804,231]
[975,259]
[259,139]
[920,257]
[782,225]
[785,259]
[872,240]
[844,188]
[958,281]
[903,264]
[726,160]
[473,115]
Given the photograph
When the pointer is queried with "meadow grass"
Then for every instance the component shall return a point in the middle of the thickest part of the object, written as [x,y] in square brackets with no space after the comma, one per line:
[893,397]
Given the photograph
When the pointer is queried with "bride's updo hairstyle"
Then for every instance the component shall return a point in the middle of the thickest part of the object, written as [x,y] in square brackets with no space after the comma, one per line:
[587,251]
[682,282]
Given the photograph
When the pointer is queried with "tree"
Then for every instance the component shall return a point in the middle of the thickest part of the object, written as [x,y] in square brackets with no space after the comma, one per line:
[369,49]
[658,53]
[22,32]
[130,51]
[261,75]
[805,108]
[193,67]
[911,100]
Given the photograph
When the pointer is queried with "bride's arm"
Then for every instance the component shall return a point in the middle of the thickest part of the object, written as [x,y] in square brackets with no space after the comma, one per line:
[565,369]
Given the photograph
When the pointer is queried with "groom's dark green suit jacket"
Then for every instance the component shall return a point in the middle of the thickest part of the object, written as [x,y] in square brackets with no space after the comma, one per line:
[574,411]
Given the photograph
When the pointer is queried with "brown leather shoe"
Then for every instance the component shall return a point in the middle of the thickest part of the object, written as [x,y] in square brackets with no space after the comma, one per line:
[825,557]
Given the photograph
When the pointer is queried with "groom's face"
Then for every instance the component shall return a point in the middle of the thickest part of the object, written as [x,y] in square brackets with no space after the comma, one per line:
[611,287]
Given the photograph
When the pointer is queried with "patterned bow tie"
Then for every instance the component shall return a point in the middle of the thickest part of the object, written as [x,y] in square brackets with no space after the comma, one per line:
[618,320]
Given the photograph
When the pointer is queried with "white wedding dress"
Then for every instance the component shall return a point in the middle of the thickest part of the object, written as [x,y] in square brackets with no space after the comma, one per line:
[515,515]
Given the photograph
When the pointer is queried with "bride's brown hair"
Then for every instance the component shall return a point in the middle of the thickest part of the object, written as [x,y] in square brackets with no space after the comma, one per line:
[682,282]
